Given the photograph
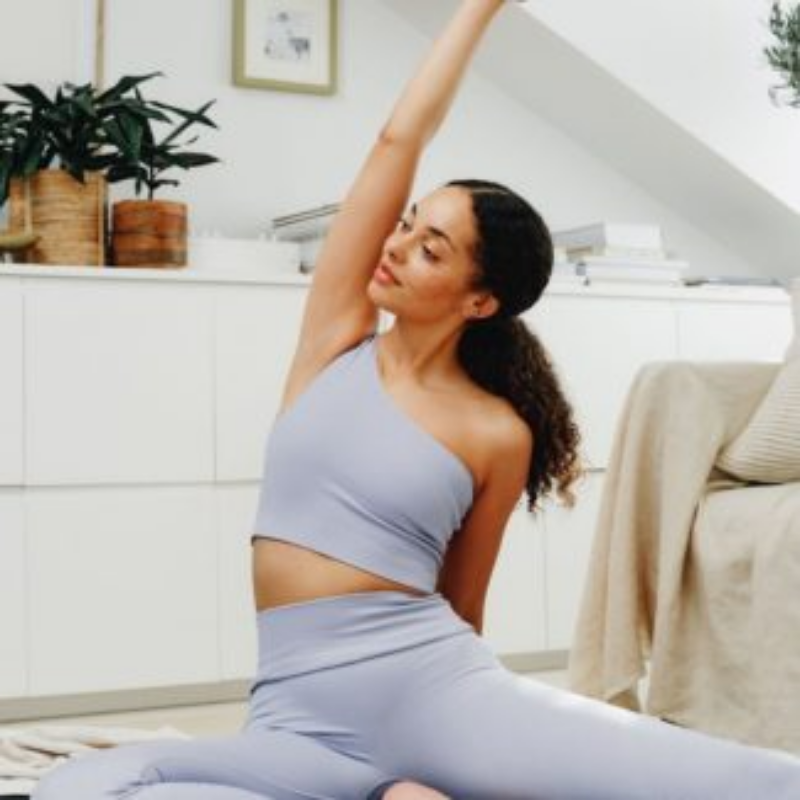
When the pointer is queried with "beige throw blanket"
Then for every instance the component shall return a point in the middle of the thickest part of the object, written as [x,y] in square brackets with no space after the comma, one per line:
[26,754]
[677,417]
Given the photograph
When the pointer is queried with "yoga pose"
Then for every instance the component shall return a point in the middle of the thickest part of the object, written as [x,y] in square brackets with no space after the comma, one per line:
[390,473]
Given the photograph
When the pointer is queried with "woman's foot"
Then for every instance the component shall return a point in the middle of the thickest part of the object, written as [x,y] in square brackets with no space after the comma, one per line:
[413,791]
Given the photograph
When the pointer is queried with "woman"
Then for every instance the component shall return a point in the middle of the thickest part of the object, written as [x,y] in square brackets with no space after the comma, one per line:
[390,474]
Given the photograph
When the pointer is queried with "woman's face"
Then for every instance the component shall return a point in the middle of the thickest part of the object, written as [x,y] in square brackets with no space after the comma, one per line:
[430,255]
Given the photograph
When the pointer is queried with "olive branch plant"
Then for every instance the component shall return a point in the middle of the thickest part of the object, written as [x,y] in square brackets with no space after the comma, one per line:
[784,54]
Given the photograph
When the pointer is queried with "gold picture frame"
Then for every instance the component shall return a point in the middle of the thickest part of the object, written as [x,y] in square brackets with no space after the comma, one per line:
[286,45]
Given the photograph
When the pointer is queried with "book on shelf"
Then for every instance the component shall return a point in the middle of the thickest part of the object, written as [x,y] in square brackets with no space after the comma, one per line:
[624,253]
[560,255]
[303,224]
[566,272]
[618,235]
[665,270]
[734,280]
[635,264]
[307,228]
[649,278]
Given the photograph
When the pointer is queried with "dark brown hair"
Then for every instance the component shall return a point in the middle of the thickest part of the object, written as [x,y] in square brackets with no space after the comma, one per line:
[514,261]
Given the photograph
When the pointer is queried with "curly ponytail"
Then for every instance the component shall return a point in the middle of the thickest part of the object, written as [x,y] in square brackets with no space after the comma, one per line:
[514,258]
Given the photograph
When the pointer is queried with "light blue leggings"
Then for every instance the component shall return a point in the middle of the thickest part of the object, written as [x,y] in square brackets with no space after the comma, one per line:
[354,692]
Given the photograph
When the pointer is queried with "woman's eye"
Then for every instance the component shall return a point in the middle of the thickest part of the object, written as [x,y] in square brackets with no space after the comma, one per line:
[429,254]
[403,225]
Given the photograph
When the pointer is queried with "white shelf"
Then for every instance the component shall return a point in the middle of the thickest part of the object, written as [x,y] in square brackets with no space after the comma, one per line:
[282,276]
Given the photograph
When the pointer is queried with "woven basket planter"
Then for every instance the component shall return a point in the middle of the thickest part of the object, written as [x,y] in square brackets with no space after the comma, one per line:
[68,216]
[149,233]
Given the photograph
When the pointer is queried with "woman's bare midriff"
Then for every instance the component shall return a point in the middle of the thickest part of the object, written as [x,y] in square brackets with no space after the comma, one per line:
[288,573]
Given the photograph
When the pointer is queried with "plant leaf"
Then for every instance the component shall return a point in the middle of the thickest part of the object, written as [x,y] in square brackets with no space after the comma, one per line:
[33,94]
[124,85]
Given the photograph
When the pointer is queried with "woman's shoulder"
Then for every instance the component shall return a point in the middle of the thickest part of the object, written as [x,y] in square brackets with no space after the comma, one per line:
[494,424]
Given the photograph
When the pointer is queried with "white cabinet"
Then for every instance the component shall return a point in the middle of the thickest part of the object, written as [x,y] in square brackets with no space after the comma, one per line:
[237,624]
[123,588]
[732,331]
[118,383]
[145,402]
[13,595]
[597,345]
[515,617]
[11,389]
[256,330]
[568,546]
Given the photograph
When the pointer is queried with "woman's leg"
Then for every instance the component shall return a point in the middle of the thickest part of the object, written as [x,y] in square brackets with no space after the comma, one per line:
[474,730]
[254,765]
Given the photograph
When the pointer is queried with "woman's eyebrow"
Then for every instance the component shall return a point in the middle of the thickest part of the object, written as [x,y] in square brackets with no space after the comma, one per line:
[435,231]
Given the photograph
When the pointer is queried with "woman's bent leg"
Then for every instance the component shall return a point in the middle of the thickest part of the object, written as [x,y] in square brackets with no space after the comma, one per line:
[254,765]
[474,730]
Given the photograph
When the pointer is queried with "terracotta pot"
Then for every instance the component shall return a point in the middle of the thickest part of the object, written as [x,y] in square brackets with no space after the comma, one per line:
[68,216]
[149,234]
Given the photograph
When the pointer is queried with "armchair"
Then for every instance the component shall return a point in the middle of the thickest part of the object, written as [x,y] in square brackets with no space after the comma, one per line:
[694,580]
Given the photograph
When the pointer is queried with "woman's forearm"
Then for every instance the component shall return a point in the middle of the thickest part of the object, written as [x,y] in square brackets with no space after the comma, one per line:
[425,100]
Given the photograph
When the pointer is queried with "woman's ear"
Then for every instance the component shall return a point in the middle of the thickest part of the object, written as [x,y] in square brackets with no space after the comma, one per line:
[483,305]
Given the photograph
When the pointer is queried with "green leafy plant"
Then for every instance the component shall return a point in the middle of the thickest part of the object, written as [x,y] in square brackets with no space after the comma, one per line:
[81,129]
[143,156]
[784,55]
[12,135]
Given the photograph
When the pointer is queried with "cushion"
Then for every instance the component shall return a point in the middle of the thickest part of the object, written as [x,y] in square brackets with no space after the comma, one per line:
[768,449]
[794,347]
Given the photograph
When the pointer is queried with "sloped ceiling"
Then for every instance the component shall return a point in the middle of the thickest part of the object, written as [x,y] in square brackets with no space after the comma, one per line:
[537,67]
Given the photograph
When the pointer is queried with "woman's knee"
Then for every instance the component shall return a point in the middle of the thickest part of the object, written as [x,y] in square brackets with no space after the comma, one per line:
[100,775]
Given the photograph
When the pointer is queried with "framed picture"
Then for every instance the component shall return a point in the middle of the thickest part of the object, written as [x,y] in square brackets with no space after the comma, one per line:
[287,45]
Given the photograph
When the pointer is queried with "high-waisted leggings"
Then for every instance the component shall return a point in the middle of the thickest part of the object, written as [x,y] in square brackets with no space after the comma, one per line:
[354,692]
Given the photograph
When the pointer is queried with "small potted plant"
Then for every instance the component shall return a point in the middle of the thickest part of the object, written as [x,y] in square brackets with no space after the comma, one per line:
[784,55]
[54,163]
[12,132]
[147,232]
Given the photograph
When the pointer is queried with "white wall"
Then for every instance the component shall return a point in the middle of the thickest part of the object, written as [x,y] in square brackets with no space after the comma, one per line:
[283,152]
[700,62]
[41,41]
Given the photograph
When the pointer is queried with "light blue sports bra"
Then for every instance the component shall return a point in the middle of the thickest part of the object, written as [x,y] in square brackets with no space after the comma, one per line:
[349,474]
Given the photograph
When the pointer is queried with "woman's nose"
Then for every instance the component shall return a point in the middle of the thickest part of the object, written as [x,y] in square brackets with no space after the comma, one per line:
[394,250]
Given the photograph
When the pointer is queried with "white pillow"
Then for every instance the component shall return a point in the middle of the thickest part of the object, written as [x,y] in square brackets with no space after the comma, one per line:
[794,347]
[768,449]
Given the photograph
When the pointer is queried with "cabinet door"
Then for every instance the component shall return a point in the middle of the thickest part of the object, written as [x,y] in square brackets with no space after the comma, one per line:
[256,335]
[733,331]
[598,344]
[11,397]
[123,589]
[514,619]
[119,382]
[236,507]
[569,538]
[13,596]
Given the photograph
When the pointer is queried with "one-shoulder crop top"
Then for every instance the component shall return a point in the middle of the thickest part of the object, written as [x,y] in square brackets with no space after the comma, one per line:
[348,474]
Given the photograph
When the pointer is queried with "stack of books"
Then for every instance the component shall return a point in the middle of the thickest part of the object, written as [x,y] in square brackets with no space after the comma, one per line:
[564,270]
[307,228]
[628,252]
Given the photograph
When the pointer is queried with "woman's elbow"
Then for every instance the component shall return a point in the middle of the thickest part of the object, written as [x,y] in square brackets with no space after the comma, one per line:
[394,137]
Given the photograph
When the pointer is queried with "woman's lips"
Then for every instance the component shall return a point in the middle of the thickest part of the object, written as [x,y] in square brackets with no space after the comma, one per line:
[384,275]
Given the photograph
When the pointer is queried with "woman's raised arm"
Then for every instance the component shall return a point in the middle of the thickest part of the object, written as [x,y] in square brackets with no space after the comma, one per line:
[338,312]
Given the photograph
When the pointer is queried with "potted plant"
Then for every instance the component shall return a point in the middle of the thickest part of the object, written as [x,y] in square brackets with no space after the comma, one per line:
[12,131]
[147,232]
[54,162]
[784,55]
